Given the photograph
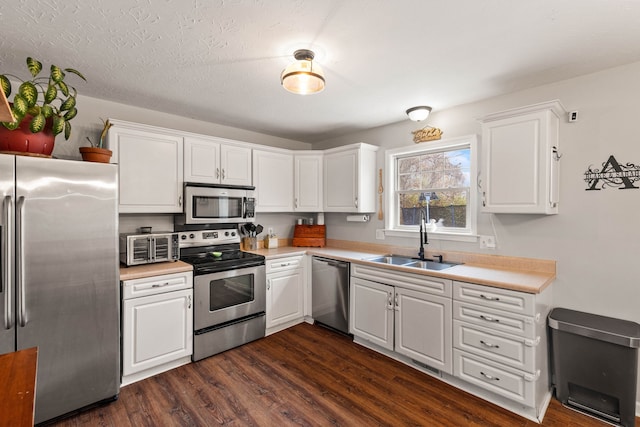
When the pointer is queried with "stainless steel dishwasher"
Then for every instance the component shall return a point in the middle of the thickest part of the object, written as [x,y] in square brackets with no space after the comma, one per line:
[330,293]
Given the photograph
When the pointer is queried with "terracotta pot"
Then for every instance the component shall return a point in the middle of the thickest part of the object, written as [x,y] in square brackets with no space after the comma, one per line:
[94,154]
[22,141]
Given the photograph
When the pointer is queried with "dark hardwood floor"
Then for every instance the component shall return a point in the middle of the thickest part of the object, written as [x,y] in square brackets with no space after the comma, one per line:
[307,376]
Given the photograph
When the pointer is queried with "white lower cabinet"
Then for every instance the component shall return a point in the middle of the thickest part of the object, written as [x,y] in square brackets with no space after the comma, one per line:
[406,313]
[285,293]
[157,325]
[500,344]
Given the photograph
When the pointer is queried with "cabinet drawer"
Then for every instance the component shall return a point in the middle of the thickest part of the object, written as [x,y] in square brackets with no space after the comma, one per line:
[511,323]
[156,284]
[416,282]
[505,381]
[509,350]
[282,264]
[503,299]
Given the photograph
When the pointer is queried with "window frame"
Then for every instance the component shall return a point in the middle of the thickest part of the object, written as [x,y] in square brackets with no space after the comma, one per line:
[392,228]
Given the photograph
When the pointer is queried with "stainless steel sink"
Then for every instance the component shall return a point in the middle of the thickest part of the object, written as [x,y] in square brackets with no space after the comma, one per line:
[429,265]
[392,259]
[411,262]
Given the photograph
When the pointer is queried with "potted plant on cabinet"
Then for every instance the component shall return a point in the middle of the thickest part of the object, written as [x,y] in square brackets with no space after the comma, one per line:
[97,153]
[43,108]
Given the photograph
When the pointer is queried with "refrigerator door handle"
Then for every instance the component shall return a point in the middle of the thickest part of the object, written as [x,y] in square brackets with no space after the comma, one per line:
[22,311]
[6,267]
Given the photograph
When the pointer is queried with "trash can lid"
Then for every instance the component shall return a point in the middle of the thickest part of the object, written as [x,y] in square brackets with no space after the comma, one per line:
[609,329]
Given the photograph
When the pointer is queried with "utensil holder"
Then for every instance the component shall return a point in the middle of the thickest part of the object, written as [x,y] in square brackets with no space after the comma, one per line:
[249,243]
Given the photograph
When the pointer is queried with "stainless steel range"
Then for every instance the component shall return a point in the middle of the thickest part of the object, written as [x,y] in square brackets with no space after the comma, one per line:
[229,288]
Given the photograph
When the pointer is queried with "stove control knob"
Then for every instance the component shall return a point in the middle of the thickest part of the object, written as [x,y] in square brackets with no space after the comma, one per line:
[233,233]
[191,236]
[226,233]
[183,237]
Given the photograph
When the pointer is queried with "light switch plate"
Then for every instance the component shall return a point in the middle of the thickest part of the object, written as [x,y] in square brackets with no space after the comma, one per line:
[487,242]
[380,234]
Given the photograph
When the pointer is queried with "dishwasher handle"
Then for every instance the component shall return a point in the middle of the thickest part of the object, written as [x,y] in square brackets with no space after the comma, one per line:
[331,262]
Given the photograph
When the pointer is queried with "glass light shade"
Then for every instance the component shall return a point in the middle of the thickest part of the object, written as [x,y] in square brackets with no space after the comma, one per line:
[418,114]
[303,77]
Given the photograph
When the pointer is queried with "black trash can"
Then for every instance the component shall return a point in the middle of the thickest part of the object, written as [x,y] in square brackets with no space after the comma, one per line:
[594,364]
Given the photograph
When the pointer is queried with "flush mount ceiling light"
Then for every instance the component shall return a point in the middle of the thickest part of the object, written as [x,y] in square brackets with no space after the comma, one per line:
[303,76]
[417,114]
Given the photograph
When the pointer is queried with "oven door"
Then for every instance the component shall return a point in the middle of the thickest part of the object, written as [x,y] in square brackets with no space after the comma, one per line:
[228,295]
[216,205]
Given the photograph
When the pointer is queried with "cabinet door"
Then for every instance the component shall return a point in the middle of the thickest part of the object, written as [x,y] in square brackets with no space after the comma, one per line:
[201,161]
[274,181]
[285,297]
[423,328]
[308,195]
[341,182]
[235,165]
[156,329]
[150,170]
[371,308]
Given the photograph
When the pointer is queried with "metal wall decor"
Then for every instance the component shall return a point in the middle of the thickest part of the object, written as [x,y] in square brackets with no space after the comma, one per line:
[612,174]
[427,133]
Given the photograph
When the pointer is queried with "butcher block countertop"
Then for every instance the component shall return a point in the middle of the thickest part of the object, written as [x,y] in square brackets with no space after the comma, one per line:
[519,274]
[149,270]
[17,395]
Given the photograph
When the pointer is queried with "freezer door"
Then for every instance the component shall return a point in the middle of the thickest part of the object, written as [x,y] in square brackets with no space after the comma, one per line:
[67,280]
[7,302]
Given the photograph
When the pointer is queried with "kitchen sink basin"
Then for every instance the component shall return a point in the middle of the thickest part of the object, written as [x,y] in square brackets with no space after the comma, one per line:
[411,262]
[429,265]
[392,259]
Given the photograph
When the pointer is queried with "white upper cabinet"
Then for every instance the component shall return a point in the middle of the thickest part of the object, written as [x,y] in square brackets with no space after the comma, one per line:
[149,165]
[307,183]
[212,161]
[350,178]
[273,179]
[520,159]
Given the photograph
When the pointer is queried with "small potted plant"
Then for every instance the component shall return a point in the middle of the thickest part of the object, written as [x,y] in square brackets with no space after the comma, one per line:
[43,108]
[97,152]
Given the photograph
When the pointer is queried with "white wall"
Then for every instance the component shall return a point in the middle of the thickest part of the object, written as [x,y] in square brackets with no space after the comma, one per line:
[595,238]
[91,110]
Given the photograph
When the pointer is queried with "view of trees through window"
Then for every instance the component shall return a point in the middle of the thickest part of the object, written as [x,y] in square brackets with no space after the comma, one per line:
[436,183]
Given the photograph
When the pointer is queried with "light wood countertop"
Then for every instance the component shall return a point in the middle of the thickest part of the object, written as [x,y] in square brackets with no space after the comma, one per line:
[520,274]
[149,270]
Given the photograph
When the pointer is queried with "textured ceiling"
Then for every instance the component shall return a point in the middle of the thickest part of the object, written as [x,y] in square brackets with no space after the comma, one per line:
[220,60]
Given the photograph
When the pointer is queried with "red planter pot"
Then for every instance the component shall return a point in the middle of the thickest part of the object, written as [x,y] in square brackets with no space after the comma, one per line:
[22,141]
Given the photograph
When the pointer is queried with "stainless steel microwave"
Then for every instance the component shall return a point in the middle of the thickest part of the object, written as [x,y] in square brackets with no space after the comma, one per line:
[214,204]
[136,249]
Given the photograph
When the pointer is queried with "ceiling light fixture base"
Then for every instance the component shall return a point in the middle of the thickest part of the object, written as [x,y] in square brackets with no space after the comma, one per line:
[419,113]
[303,77]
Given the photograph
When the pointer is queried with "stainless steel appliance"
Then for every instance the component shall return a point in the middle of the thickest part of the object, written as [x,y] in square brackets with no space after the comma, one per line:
[59,269]
[136,249]
[330,293]
[214,204]
[229,290]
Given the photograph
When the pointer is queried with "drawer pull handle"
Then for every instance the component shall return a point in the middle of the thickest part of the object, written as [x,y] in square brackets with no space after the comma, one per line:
[489,377]
[489,318]
[488,344]
[160,285]
[483,296]
[284,264]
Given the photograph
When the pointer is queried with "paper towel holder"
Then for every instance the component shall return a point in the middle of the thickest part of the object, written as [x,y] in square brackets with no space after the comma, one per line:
[357,218]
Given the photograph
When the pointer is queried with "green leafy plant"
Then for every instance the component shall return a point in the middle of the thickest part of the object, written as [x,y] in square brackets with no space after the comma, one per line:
[43,98]
[105,128]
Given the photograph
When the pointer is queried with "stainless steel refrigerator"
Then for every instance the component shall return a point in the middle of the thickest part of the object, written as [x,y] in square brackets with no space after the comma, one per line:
[60,282]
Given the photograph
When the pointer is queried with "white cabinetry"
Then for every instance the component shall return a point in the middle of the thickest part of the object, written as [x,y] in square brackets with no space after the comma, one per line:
[157,325]
[149,165]
[350,178]
[409,314]
[285,292]
[273,177]
[520,159]
[500,343]
[216,161]
[307,183]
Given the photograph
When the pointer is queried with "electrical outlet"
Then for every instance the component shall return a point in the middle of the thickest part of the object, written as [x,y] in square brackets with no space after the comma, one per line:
[380,234]
[487,242]
[270,231]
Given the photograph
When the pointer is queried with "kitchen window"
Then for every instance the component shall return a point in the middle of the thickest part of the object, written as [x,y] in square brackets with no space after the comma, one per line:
[435,179]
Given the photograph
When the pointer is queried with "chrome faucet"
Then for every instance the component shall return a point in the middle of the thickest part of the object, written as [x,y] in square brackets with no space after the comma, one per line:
[423,234]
